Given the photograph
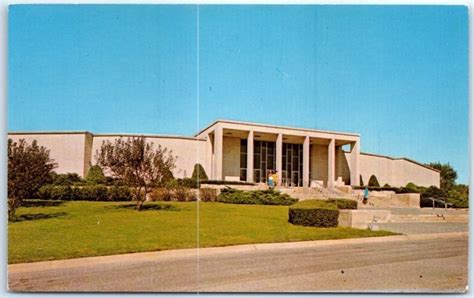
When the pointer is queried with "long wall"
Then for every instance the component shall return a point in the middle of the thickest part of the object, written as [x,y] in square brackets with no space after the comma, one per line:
[185,149]
[68,150]
[396,171]
[75,152]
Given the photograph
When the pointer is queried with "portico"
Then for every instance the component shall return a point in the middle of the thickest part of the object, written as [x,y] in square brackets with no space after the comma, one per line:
[242,151]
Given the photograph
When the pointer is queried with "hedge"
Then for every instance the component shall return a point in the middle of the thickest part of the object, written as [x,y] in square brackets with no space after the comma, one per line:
[207,194]
[257,197]
[177,193]
[84,193]
[315,213]
[344,203]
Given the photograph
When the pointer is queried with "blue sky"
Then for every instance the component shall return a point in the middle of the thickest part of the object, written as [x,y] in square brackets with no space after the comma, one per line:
[396,75]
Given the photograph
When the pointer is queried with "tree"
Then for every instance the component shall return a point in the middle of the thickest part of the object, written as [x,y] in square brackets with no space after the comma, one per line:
[137,164]
[198,173]
[95,175]
[29,168]
[448,175]
[373,181]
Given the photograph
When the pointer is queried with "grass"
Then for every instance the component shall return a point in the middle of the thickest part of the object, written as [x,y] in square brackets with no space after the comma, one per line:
[63,230]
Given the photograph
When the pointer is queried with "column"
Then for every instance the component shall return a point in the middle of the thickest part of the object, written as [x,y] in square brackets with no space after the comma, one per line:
[278,157]
[218,144]
[355,163]
[209,167]
[331,162]
[250,157]
[306,162]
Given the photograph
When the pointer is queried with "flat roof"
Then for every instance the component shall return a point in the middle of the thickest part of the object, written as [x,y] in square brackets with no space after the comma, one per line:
[275,126]
[104,134]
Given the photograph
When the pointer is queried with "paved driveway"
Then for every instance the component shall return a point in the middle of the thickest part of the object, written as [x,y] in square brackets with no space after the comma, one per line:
[417,263]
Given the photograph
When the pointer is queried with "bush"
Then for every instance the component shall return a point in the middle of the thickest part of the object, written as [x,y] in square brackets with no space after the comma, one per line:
[208,194]
[430,193]
[314,213]
[161,194]
[361,181]
[406,190]
[119,193]
[459,196]
[85,193]
[185,182]
[183,194]
[94,193]
[65,179]
[95,175]
[344,203]
[373,181]
[198,173]
[259,197]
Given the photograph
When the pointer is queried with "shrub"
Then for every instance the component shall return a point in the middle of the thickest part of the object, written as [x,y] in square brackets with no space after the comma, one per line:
[119,193]
[65,179]
[84,193]
[183,194]
[373,181]
[344,203]
[207,194]
[314,213]
[459,196]
[361,181]
[92,193]
[161,194]
[185,182]
[52,192]
[432,192]
[259,197]
[95,175]
[198,173]
[406,190]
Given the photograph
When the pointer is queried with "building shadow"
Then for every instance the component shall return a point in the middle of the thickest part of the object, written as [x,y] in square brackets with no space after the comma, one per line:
[150,207]
[38,216]
[39,203]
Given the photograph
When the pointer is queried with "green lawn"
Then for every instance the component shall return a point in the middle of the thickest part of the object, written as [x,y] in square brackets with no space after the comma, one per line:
[79,229]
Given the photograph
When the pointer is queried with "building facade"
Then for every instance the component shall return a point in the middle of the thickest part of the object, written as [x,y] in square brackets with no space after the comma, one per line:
[242,151]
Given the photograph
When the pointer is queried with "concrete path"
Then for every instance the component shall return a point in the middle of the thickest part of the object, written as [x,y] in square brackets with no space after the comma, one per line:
[418,263]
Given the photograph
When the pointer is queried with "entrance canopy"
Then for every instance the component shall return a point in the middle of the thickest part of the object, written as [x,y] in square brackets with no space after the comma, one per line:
[250,151]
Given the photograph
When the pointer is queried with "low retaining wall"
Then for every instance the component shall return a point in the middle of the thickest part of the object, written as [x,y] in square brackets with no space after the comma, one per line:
[360,219]
[403,200]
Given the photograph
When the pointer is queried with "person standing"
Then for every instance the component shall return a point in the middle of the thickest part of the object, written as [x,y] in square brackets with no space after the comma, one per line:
[275,179]
[270,180]
[366,195]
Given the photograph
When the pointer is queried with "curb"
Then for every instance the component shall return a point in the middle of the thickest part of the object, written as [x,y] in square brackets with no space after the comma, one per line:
[212,251]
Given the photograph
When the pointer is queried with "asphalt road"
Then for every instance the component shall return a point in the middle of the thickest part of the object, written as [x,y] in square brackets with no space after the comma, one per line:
[415,264]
